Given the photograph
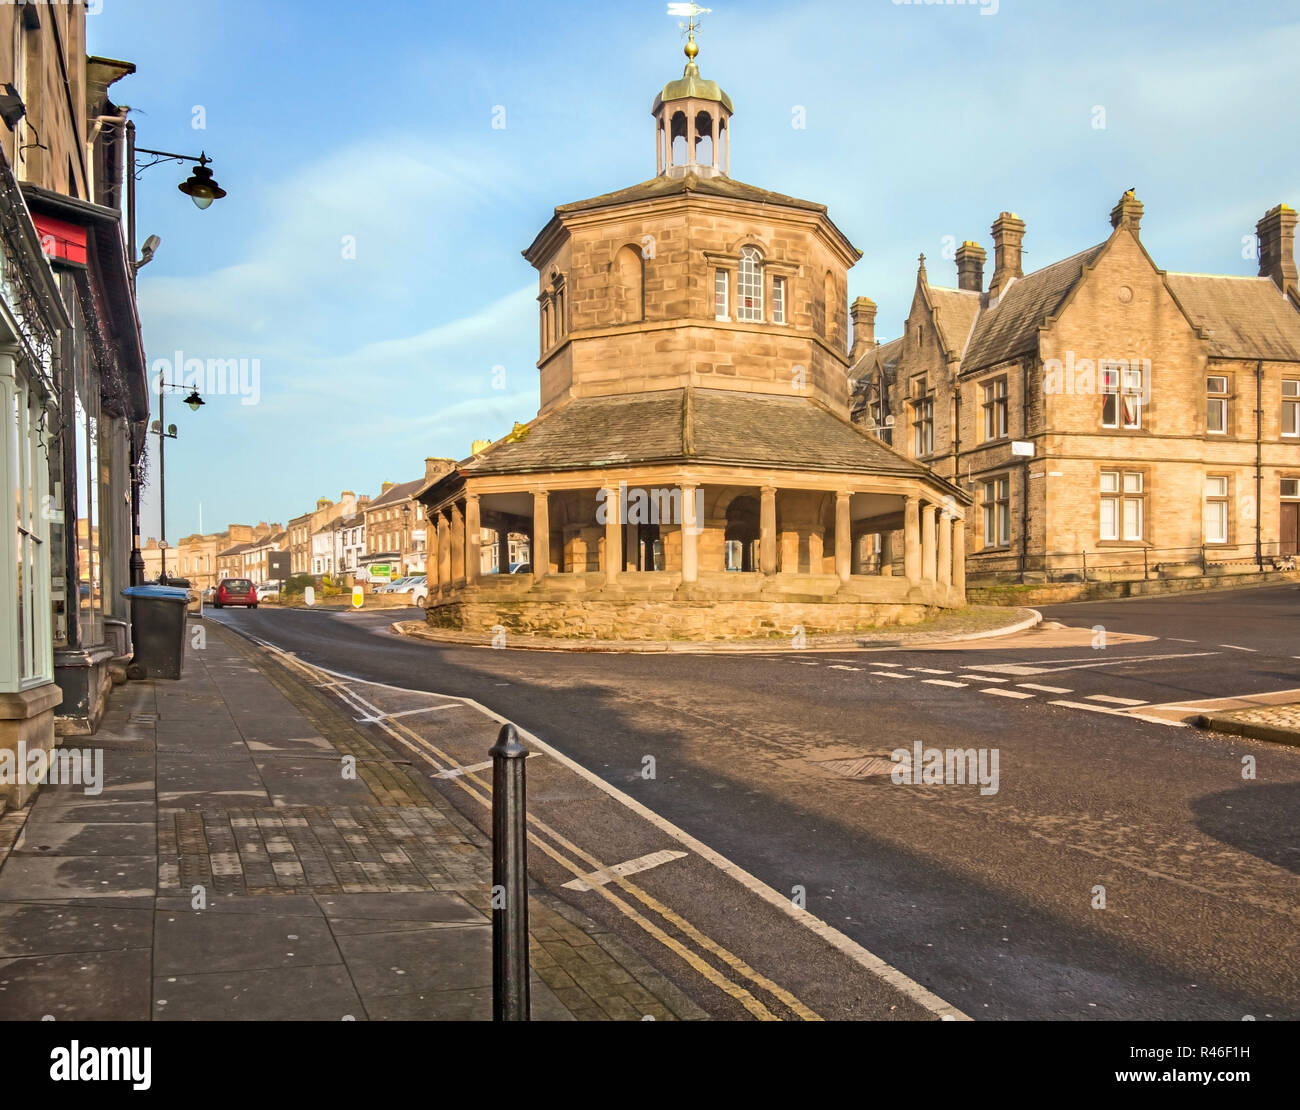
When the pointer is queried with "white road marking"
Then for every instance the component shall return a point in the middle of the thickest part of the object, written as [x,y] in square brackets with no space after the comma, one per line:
[806,663]
[408,712]
[631,867]
[944,682]
[1115,701]
[472,769]
[843,667]
[984,678]
[1238,647]
[1180,640]
[889,674]
[1086,705]
[886,664]
[927,670]
[1078,664]
[1006,693]
[1045,689]
[848,947]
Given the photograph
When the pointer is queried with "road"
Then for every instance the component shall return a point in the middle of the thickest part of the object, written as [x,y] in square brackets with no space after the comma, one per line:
[992,901]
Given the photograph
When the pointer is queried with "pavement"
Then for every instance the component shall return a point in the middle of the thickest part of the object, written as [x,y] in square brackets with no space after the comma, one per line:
[771,762]
[254,853]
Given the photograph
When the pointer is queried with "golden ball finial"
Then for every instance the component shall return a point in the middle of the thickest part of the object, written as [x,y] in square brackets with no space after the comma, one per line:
[691,49]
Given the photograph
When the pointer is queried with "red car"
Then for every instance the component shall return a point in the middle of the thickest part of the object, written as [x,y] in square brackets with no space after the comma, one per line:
[236,591]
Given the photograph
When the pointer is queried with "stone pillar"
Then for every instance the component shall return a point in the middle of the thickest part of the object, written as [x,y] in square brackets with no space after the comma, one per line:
[540,552]
[473,540]
[887,554]
[690,537]
[767,531]
[503,547]
[457,542]
[912,541]
[945,548]
[843,537]
[613,535]
[929,562]
[959,556]
[444,551]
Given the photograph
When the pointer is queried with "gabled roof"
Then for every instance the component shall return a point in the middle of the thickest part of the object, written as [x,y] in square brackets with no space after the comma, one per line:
[238,549]
[882,359]
[1010,328]
[954,312]
[718,426]
[399,492]
[1241,317]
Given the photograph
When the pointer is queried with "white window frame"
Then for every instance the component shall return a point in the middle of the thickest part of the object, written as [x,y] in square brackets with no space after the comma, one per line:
[923,426]
[721,295]
[1214,516]
[1291,407]
[778,300]
[1122,513]
[24,472]
[749,285]
[1216,400]
[997,512]
[1294,483]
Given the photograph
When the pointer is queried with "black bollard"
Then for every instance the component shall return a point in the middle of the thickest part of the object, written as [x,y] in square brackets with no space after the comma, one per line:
[509,878]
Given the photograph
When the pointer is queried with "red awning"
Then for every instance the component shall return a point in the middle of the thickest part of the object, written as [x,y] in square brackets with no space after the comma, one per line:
[60,239]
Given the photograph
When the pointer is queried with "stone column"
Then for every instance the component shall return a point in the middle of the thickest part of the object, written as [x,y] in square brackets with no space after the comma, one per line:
[503,547]
[928,555]
[541,546]
[444,551]
[912,541]
[843,537]
[959,556]
[690,537]
[945,548]
[887,554]
[613,535]
[767,531]
[473,540]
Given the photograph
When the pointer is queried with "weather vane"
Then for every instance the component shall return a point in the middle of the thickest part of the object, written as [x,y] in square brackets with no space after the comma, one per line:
[692,11]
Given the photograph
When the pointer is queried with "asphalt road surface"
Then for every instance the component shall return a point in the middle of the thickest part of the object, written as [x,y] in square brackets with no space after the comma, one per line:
[1124,868]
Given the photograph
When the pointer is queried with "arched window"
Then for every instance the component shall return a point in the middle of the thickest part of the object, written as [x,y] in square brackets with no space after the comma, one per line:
[740,550]
[678,147]
[629,284]
[749,285]
[704,139]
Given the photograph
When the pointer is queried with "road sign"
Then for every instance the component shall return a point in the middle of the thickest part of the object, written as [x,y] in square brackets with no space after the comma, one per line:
[278,565]
[1023,448]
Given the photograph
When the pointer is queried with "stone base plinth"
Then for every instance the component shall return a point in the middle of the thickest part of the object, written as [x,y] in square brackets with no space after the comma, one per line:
[573,606]
[27,718]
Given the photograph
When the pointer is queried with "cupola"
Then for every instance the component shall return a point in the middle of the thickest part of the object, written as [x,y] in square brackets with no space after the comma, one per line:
[692,124]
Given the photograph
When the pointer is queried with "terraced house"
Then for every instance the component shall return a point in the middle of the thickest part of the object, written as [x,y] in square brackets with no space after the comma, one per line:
[1110,418]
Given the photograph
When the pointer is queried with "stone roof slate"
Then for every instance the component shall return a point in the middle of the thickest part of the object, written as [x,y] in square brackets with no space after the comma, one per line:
[1242,317]
[691,425]
[664,186]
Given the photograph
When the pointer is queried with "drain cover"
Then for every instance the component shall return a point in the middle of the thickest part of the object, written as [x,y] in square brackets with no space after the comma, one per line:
[859,767]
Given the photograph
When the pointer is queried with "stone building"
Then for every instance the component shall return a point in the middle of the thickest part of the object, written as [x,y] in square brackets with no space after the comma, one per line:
[1108,417]
[693,471]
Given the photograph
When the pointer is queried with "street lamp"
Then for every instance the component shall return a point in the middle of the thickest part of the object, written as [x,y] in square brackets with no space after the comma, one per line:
[202,188]
[164,433]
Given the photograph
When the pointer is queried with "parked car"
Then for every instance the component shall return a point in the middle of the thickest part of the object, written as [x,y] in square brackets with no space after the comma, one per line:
[236,591]
[420,595]
[387,587]
[522,568]
[268,589]
[401,585]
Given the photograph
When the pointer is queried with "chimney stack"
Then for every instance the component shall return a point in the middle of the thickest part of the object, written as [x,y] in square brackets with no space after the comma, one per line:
[1127,213]
[970,267]
[436,468]
[1276,234]
[863,311]
[1008,236]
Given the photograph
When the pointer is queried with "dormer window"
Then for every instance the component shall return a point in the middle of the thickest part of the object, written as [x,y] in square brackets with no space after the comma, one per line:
[749,285]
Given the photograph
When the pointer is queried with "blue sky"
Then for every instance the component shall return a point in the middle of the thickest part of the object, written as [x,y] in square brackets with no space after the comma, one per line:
[346,128]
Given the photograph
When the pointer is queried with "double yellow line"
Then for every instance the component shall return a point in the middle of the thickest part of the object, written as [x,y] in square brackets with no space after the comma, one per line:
[735,978]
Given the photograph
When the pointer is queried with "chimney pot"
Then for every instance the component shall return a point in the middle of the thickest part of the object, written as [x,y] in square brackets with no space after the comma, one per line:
[1276,235]
[863,311]
[1008,238]
[970,266]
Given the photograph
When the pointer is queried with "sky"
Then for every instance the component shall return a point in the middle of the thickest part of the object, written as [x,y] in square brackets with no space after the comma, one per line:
[386,163]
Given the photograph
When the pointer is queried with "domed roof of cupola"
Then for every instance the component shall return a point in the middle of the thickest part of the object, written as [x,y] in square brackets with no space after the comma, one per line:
[691,85]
